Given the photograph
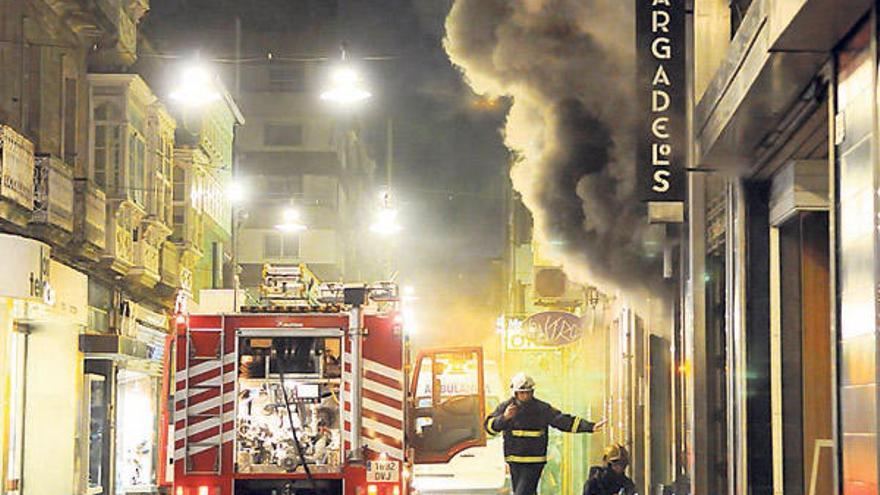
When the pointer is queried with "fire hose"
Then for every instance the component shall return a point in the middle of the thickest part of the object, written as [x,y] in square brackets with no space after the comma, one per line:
[299,448]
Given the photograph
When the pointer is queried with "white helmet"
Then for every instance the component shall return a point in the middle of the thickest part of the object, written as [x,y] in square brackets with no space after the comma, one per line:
[522,382]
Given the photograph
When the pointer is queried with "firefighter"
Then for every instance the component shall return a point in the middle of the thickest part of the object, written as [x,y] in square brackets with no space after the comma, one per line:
[610,478]
[523,420]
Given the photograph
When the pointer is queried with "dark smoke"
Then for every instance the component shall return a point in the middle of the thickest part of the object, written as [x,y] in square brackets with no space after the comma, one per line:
[568,67]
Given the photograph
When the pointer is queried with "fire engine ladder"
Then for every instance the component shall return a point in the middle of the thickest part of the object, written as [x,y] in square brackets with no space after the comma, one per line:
[204,354]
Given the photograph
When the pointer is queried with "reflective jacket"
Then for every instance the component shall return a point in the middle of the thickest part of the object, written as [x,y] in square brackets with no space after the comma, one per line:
[525,434]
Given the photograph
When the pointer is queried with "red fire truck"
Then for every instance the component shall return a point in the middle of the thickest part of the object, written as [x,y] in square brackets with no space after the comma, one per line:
[267,400]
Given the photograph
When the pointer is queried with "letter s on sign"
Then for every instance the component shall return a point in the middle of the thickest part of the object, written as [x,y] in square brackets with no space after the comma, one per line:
[661,181]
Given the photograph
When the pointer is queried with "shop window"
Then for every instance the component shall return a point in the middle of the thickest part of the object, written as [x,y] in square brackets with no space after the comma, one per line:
[283,135]
[136,430]
[96,418]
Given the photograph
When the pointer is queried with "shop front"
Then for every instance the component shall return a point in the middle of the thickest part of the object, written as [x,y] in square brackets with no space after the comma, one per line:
[20,287]
[42,312]
[125,369]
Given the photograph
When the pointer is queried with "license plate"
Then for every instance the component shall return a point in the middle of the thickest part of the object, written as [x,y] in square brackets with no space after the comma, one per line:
[383,472]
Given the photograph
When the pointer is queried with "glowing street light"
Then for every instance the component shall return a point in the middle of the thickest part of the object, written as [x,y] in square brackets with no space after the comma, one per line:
[386,222]
[346,86]
[196,87]
[291,223]
[237,192]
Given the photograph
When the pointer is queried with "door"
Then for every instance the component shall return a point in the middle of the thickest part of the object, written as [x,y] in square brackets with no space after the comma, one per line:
[447,404]
[94,421]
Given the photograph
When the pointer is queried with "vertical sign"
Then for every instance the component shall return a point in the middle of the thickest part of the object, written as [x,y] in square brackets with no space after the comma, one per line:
[661,92]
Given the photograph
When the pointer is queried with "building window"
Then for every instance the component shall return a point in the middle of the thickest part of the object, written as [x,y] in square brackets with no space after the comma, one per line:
[282,135]
[108,148]
[70,116]
[137,150]
[287,77]
[280,246]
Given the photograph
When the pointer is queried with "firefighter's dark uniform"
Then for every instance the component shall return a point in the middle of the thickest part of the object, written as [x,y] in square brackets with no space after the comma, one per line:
[525,438]
[604,480]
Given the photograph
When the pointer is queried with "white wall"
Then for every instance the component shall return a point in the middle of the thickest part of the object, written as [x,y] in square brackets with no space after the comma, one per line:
[316,246]
[53,391]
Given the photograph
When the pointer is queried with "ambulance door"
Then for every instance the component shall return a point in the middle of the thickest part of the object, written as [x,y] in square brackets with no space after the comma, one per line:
[446,402]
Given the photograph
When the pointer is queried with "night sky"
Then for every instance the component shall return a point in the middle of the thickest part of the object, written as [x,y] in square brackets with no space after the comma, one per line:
[450,162]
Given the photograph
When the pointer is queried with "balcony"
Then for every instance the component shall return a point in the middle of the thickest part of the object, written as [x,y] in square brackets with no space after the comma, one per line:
[122,217]
[147,248]
[53,199]
[169,268]
[121,18]
[16,177]
[89,219]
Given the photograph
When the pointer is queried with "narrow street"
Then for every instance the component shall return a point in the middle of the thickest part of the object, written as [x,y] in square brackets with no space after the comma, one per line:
[439,247]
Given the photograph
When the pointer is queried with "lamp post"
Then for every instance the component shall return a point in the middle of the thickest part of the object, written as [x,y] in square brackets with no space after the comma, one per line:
[237,194]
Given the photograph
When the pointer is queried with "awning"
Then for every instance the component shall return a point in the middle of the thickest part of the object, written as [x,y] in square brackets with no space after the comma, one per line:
[126,350]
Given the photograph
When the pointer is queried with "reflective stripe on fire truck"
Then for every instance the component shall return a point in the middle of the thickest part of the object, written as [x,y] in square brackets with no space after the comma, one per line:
[383,432]
[379,369]
[228,379]
[228,436]
[379,388]
[372,424]
[199,368]
[205,424]
[383,448]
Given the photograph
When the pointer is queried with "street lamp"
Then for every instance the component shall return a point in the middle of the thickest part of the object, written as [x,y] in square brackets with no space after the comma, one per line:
[346,85]
[291,223]
[237,193]
[196,86]
[385,223]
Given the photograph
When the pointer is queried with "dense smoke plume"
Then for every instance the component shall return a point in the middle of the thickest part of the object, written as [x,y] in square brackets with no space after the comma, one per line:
[568,66]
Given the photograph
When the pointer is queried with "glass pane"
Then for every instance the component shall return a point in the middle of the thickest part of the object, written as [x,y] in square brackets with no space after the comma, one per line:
[457,375]
[135,431]
[272,246]
[15,426]
[425,383]
[97,423]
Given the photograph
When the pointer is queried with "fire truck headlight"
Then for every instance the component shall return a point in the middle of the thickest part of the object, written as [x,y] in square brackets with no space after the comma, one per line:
[179,490]
[203,490]
[372,490]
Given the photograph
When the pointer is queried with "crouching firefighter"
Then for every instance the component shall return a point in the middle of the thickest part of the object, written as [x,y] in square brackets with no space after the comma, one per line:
[523,420]
[610,478]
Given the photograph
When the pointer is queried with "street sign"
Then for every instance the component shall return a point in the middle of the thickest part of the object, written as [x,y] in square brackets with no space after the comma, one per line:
[553,328]
[661,93]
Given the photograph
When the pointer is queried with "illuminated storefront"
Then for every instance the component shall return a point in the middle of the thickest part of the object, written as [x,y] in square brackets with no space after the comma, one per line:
[42,312]
[125,369]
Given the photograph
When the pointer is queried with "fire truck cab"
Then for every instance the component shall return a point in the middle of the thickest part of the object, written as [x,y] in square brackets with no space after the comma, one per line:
[266,400]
